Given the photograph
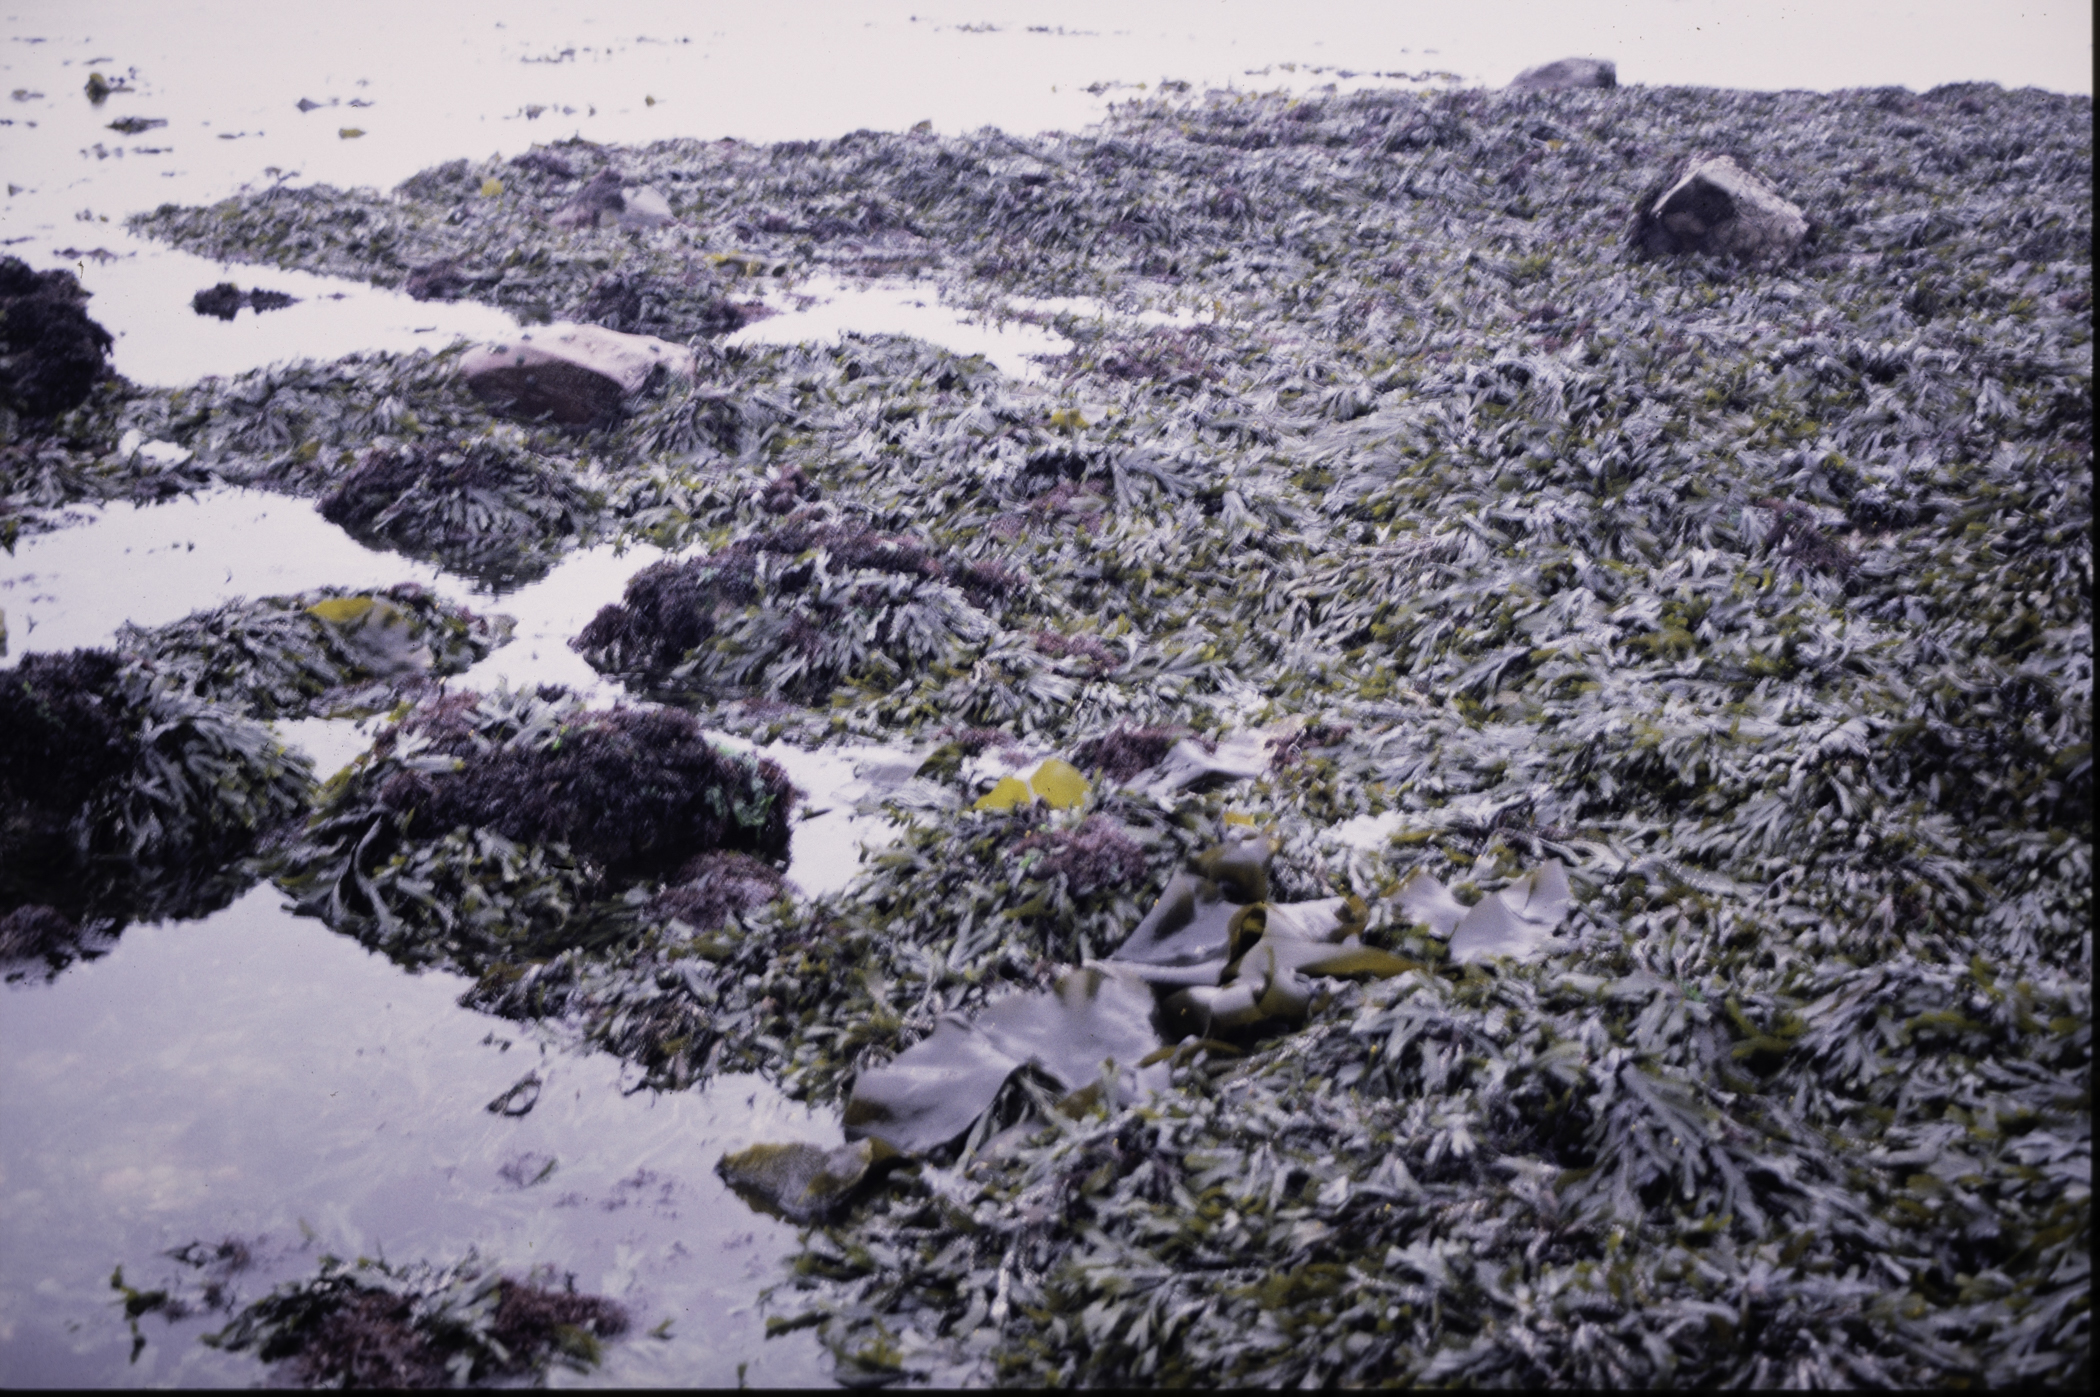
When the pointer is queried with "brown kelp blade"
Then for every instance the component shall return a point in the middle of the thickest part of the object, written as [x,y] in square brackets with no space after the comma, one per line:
[936,1089]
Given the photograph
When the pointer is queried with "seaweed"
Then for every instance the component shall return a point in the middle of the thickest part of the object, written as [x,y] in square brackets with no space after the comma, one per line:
[1757,599]
[376,1324]
[486,829]
[51,352]
[123,798]
[795,610]
[325,653]
[484,508]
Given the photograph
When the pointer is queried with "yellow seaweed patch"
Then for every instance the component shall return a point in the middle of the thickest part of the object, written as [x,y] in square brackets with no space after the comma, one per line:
[342,611]
[1056,782]
[1059,783]
[491,187]
[1010,792]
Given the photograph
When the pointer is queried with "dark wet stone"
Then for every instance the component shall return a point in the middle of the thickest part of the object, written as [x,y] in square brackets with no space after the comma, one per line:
[574,374]
[224,301]
[1566,73]
[1713,205]
[51,352]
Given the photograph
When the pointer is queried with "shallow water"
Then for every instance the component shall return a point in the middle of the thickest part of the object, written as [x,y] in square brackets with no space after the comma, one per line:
[255,1076]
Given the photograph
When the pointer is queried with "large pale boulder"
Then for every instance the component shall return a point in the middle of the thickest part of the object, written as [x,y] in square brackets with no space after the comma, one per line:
[1715,206]
[574,374]
[1566,73]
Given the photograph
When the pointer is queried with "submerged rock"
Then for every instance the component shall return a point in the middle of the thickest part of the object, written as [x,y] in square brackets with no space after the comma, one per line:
[51,353]
[1564,73]
[1713,205]
[804,1183]
[575,374]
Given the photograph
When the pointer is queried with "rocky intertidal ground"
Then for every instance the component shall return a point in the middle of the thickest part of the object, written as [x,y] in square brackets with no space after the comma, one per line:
[1756,595]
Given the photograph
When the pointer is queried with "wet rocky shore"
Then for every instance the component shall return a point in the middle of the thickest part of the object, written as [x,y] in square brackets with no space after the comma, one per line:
[1476,524]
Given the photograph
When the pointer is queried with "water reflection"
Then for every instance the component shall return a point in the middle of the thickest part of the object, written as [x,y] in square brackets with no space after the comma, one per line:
[254,1076]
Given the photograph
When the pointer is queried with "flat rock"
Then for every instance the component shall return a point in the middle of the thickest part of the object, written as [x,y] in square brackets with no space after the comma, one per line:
[1715,206]
[1565,73]
[574,374]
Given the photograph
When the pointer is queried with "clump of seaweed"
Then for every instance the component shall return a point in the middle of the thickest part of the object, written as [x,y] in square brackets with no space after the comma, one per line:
[328,653]
[796,610]
[376,1324]
[487,508]
[486,828]
[1124,752]
[123,798]
[51,352]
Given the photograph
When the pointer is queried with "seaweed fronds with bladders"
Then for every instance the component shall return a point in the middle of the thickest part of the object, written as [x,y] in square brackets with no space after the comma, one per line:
[1759,597]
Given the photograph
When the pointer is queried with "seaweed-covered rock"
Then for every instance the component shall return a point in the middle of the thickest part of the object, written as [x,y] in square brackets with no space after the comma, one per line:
[51,352]
[121,797]
[573,374]
[512,824]
[795,610]
[224,301]
[1713,205]
[1565,73]
[486,507]
[373,1324]
[320,653]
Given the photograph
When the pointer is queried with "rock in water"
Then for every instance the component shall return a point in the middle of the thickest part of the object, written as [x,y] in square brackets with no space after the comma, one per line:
[1566,73]
[224,301]
[575,374]
[1714,205]
[805,1183]
[51,353]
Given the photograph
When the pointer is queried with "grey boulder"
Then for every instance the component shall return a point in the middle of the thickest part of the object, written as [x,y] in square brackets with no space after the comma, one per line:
[1566,73]
[1715,206]
[572,374]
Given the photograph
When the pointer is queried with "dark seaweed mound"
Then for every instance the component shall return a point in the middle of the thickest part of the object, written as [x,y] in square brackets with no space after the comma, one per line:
[484,508]
[491,830]
[51,353]
[636,790]
[375,1325]
[120,798]
[672,610]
